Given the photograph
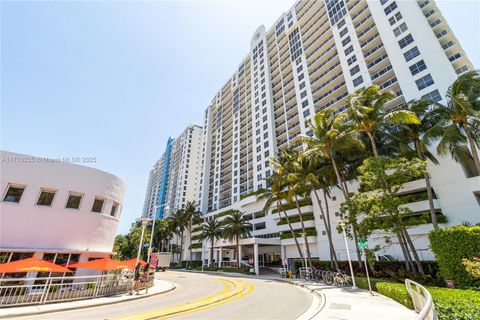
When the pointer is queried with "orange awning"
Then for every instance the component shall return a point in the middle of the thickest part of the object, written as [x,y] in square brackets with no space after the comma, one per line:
[132,263]
[101,264]
[31,265]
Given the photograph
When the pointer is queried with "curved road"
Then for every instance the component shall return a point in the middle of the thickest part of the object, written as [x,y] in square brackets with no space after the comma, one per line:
[224,297]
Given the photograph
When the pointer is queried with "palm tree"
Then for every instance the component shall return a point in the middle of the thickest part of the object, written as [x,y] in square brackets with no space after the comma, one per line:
[366,110]
[460,119]
[416,139]
[211,230]
[285,166]
[236,226]
[276,194]
[181,223]
[311,172]
[192,215]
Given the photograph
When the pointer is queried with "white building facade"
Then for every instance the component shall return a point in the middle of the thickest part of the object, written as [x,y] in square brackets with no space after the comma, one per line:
[56,210]
[315,55]
[174,179]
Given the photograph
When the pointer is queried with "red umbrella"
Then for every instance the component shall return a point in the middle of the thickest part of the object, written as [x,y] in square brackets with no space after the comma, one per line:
[133,262]
[101,264]
[31,265]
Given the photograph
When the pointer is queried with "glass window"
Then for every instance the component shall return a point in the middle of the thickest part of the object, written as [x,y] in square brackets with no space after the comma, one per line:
[351,60]
[14,193]
[405,41]
[390,8]
[412,53]
[400,29]
[357,81]
[343,32]
[434,96]
[346,40]
[354,70]
[348,50]
[417,67]
[113,211]
[46,197]
[74,200]
[424,82]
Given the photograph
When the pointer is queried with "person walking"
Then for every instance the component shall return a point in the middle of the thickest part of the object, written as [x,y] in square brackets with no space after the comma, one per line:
[146,271]
[136,280]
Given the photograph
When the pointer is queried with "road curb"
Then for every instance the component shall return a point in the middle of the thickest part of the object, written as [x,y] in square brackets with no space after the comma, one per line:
[317,305]
[29,313]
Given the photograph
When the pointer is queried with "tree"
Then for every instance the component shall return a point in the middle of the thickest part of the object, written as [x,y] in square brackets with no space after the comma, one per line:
[122,247]
[192,215]
[236,226]
[367,112]
[285,166]
[275,194]
[460,120]
[311,172]
[382,179]
[416,139]
[211,231]
[181,222]
[332,137]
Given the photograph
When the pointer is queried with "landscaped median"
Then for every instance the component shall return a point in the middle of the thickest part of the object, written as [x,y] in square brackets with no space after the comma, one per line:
[450,304]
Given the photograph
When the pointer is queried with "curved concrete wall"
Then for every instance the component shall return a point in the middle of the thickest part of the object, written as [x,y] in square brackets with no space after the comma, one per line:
[26,225]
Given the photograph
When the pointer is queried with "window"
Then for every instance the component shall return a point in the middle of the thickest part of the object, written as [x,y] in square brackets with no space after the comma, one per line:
[74,200]
[357,81]
[352,60]
[303,94]
[14,193]
[113,211]
[434,96]
[354,70]
[302,85]
[412,53]
[348,50]
[383,2]
[390,8]
[454,57]
[424,82]
[343,32]
[405,41]
[395,18]
[400,29]
[346,41]
[306,113]
[46,197]
[304,103]
[417,67]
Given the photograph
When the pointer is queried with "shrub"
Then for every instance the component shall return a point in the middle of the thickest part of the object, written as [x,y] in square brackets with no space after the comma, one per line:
[305,216]
[450,304]
[450,246]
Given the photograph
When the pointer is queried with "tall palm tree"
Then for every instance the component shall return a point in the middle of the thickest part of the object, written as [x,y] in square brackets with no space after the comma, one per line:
[416,139]
[311,172]
[366,110]
[236,226]
[181,222]
[211,231]
[192,215]
[275,194]
[285,166]
[460,119]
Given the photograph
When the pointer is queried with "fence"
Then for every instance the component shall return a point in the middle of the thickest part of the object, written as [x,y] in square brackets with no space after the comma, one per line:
[31,291]
[422,300]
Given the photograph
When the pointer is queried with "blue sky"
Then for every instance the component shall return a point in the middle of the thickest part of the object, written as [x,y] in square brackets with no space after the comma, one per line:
[114,79]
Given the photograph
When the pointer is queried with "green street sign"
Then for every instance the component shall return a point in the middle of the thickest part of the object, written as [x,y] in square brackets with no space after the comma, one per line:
[362,243]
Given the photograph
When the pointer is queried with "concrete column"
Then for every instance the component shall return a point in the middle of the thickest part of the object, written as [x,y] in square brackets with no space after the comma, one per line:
[255,257]
[220,256]
[283,252]
[239,254]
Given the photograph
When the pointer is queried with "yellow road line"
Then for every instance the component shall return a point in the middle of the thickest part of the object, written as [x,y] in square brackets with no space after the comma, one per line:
[232,288]
[249,289]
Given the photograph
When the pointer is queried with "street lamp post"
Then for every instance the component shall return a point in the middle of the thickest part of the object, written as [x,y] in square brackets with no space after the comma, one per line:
[342,224]
[155,208]
[140,243]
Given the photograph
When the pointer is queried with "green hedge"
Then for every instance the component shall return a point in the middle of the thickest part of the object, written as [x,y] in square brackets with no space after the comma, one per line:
[450,304]
[306,217]
[196,245]
[251,193]
[288,235]
[450,246]
[288,206]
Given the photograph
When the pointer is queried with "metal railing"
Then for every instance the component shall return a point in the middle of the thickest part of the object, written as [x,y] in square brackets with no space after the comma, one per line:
[422,300]
[41,290]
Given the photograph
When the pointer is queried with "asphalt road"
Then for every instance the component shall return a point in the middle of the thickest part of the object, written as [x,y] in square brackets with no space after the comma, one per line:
[254,299]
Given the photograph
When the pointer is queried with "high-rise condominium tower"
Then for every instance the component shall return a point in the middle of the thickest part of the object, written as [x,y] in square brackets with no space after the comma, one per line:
[314,56]
[173,179]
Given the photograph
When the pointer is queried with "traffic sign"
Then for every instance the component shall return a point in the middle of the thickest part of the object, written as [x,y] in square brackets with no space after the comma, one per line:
[362,243]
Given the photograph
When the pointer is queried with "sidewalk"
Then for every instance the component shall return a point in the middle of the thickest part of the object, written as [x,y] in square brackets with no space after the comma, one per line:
[343,303]
[160,286]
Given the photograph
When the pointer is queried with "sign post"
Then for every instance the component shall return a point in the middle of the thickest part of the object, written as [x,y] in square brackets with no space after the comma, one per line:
[362,244]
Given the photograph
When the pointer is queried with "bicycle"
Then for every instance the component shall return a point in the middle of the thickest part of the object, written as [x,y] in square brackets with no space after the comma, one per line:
[342,279]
